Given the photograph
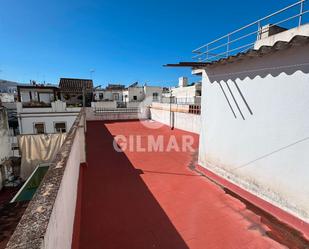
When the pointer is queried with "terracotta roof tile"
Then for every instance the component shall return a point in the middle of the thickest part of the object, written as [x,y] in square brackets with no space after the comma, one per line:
[75,85]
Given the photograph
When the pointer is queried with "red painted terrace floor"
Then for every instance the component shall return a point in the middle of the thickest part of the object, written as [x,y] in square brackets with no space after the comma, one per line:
[153,200]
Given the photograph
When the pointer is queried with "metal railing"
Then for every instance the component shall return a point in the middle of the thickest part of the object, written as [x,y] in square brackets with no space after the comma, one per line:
[181,101]
[117,110]
[245,37]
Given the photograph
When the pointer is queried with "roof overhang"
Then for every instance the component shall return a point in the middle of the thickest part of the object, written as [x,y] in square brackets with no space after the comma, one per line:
[296,41]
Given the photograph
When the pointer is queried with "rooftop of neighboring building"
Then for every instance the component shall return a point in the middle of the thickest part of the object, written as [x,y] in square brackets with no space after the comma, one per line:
[115,87]
[72,85]
[37,86]
[7,83]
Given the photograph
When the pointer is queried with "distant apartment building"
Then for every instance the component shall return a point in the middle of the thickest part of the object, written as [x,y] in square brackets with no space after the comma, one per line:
[137,93]
[152,94]
[179,107]
[113,92]
[8,91]
[37,95]
[7,97]
[115,95]
[185,92]
[133,93]
[76,91]
[57,118]
[7,86]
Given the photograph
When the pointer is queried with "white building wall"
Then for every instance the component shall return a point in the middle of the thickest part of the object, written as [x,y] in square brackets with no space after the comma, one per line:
[149,91]
[27,117]
[135,91]
[7,97]
[187,94]
[104,104]
[135,104]
[108,95]
[184,92]
[183,121]
[27,122]
[4,136]
[267,153]
[5,149]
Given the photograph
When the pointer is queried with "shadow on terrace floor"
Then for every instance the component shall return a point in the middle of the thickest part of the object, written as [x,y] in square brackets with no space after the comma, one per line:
[118,210]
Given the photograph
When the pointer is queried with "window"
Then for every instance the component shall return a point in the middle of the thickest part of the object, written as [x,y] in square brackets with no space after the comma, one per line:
[134,97]
[101,96]
[60,127]
[39,128]
[155,96]
[116,96]
[46,98]
[198,93]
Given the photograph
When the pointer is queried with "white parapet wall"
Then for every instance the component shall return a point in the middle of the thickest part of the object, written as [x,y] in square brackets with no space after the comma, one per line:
[183,121]
[265,153]
[60,227]
[171,107]
[104,104]
[117,114]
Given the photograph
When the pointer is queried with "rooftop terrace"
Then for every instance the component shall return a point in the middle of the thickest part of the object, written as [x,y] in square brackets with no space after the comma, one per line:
[95,196]
[154,200]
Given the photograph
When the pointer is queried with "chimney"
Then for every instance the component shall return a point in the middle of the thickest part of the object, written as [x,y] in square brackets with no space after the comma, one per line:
[183,82]
[269,30]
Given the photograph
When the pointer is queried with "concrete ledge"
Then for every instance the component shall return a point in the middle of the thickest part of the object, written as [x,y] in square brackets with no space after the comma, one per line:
[32,231]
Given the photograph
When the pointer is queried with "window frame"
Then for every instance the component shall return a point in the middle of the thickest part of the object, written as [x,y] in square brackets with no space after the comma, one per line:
[35,129]
[60,122]
[116,96]
[155,96]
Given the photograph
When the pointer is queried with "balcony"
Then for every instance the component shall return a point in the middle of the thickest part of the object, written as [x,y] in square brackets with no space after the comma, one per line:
[35,104]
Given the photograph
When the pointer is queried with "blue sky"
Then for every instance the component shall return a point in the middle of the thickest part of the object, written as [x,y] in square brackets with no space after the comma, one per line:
[124,41]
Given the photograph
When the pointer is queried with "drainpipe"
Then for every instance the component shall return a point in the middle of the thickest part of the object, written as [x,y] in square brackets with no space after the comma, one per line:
[84,97]
[20,125]
[171,113]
